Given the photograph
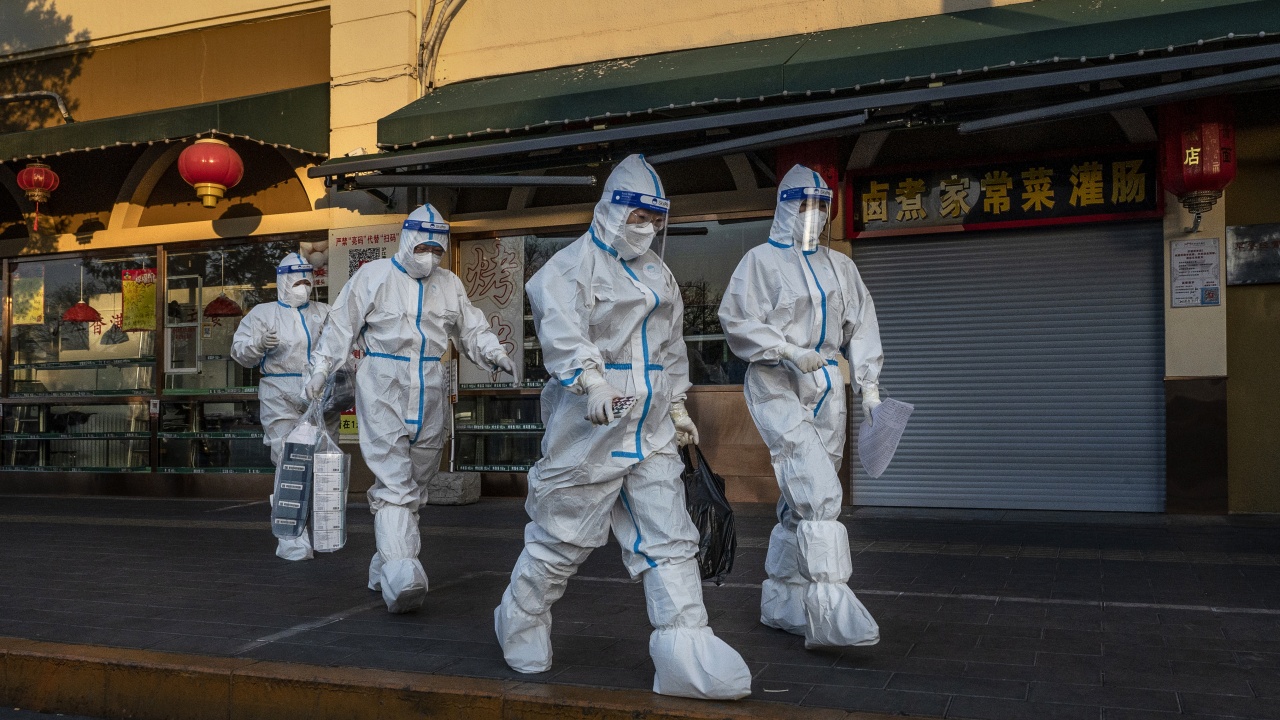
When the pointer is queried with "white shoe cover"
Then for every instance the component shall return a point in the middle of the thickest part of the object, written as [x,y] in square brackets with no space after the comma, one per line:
[375,571]
[782,606]
[404,585]
[688,659]
[294,549]
[403,581]
[837,618]
[692,662]
[525,639]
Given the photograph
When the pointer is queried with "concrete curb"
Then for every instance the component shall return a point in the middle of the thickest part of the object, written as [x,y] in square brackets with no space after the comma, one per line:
[122,683]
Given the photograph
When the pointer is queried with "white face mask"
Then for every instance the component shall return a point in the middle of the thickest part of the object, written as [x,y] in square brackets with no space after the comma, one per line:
[636,239]
[420,265]
[809,227]
[297,295]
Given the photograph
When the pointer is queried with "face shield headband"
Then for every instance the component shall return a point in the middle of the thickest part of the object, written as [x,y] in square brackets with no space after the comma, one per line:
[811,226]
[636,238]
[425,230]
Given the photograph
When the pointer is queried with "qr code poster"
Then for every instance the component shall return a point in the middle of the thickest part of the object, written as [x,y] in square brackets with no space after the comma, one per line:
[349,248]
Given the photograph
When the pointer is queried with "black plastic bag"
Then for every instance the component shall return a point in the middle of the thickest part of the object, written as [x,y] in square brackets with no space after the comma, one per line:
[704,498]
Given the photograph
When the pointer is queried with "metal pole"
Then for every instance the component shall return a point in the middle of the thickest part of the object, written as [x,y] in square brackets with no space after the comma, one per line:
[1115,101]
[373,181]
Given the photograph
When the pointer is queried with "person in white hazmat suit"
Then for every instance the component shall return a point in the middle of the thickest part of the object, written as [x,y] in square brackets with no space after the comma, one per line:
[402,311]
[279,339]
[791,305]
[609,318]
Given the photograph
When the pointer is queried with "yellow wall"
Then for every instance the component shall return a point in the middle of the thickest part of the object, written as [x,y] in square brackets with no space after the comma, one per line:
[497,37]
[49,26]
[1253,339]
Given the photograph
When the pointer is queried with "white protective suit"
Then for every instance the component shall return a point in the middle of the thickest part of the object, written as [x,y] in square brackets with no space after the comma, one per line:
[783,302]
[600,314]
[402,311]
[295,321]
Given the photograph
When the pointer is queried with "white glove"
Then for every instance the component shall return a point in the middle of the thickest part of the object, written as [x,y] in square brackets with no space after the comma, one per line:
[315,385]
[268,342]
[503,363]
[806,361]
[600,397]
[870,400]
[686,431]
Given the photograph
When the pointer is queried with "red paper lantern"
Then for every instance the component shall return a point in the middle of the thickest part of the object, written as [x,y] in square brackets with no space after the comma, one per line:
[222,306]
[1198,152]
[38,181]
[81,312]
[210,166]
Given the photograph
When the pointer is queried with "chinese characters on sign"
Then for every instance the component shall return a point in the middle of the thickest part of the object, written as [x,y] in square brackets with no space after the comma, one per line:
[493,273]
[1194,268]
[349,248]
[1106,185]
[1253,254]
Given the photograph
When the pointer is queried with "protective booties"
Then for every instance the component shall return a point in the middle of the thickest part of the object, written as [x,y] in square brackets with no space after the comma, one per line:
[688,659]
[295,549]
[782,594]
[525,637]
[403,581]
[375,571]
[835,616]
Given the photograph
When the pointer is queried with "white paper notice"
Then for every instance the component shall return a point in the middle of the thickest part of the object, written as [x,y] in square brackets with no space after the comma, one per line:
[878,441]
[1194,267]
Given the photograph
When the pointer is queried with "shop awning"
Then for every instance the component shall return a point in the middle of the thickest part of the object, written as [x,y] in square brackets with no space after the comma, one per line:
[953,48]
[297,118]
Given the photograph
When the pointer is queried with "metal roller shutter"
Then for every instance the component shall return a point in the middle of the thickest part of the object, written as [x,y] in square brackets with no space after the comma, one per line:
[1035,361]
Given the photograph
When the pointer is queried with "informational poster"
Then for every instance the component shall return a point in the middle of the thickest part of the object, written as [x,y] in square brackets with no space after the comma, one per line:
[138,288]
[493,273]
[349,248]
[1253,255]
[1194,266]
[28,294]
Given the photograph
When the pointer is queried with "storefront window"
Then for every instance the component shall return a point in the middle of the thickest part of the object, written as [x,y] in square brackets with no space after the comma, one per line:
[212,437]
[83,326]
[97,438]
[207,295]
[703,257]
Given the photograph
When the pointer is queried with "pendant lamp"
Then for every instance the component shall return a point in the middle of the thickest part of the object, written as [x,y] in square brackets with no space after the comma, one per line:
[223,306]
[81,312]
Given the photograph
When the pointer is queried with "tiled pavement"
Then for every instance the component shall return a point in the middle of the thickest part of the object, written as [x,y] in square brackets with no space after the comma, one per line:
[983,614]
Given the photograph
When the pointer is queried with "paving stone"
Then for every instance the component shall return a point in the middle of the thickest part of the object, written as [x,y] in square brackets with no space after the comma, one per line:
[1230,706]
[1101,696]
[975,687]
[881,701]
[984,708]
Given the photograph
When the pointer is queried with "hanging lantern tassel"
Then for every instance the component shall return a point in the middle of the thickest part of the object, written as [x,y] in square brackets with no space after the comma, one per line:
[38,181]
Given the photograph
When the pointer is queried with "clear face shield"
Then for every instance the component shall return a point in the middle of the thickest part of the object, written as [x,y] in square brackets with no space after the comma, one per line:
[644,224]
[293,284]
[813,216]
[428,240]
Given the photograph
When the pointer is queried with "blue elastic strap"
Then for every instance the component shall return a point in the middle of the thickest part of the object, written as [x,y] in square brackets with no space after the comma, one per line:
[572,378]
[627,366]
[388,356]
[281,374]
[635,547]
[422,355]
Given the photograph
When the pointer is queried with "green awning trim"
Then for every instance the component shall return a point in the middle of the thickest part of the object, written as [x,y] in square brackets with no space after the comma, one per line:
[297,118]
[1041,34]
